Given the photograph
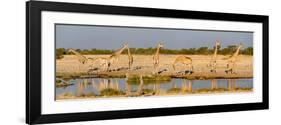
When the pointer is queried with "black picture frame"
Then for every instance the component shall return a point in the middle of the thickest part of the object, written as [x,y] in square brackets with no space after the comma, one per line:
[33,61]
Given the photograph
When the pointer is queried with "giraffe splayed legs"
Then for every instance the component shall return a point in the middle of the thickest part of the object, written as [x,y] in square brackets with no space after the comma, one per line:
[186,61]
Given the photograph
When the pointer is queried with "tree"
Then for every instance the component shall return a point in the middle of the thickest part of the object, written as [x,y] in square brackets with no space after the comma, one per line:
[60,52]
[202,50]
[247,51]
[229,50]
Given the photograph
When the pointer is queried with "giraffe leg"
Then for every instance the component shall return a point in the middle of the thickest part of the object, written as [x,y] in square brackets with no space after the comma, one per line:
[108,66]
[185,69]
[78,68]
[129,65]
[212,66]
[104,66]
[189,68]
[234,67]
[157,67]
[215,67]
[153,72]
[227,67]
[230,68]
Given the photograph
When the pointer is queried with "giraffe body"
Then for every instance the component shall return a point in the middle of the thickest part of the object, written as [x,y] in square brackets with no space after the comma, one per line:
[184,60]
[114,57]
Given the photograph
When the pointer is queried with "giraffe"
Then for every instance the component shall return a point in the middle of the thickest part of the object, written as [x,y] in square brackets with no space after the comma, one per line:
[82,59]
[186,61]
[115,55]
[130,58]
[106,62]
[156,58]
[231,61]
[213,62]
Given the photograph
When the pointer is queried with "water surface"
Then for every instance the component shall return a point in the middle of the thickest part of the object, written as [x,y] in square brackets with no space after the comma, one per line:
[95,85]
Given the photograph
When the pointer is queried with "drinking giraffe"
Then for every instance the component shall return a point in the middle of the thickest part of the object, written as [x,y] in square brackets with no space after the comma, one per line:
[82,59]
[185,61]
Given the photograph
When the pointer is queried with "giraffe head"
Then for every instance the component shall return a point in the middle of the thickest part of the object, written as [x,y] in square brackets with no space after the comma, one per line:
[125,45]
[240,45]
[218,44]
[70,50]
[160,45]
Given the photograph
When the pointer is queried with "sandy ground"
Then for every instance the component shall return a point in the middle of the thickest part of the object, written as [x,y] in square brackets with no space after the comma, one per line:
[70,65]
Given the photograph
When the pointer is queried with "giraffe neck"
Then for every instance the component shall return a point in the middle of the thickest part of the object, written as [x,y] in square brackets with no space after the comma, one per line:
[237,51]
[216,51]
[129,53]
[157,51]
[119,51]
[78,54]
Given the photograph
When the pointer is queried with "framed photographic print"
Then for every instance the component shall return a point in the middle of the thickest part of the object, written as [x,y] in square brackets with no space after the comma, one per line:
[95,62]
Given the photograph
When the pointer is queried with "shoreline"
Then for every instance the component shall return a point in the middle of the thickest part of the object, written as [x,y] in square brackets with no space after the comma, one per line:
[194,76]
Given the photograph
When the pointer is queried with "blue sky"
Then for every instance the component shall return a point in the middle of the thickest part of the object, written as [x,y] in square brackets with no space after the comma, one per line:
[106,37]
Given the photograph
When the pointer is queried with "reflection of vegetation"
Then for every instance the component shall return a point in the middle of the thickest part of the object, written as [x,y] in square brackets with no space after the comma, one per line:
[110,92]
[243,89]
[148,91]
[58,81]
[148,51]
[207,90]
[67,94]
[174,90]
[91,94]
[134,79]
[203,90]
[63,85]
